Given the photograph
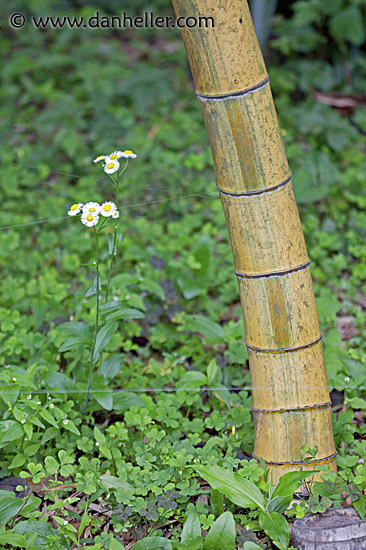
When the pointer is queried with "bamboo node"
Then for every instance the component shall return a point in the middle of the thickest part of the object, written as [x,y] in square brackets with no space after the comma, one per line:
[301,267]
[294,409]
[250,90]
[299,462]
[257,192]
[284,350]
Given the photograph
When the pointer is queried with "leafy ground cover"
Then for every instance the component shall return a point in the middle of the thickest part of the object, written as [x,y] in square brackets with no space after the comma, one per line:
[173,390]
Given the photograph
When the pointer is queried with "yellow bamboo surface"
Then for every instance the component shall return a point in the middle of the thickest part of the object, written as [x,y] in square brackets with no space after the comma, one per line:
[245,141]
[229,40]
[291,405]
[287,430]
[270,306]
[281,379]
[265,232]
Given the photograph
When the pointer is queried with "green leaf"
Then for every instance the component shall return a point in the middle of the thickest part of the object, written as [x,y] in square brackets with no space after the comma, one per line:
[70,426]
[358,403]
[9,506]
[277,528]
[194,544]
[103,337]
[120,312]
[217,502]
[290,482]
[240,491]
[222,534]
[72,343]
[360,506]
[17,461]
[122,401]
[211,371]
[191,528]
[314,177]
[112,482]
[348,24]
[202,253]
[153,287]
[209,329]
[192,379]
[49,418]
[249,545]
[60,381]
[111,366]
[19,541]
[115,545]
[75,329]
[190,287]
[43,530]
[51,465]
[10,430]
[153,543]
[50,433]
[104,397]
[223,394]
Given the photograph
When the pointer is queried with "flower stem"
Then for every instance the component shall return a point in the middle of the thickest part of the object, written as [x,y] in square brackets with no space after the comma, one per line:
[91,361]
[114,241]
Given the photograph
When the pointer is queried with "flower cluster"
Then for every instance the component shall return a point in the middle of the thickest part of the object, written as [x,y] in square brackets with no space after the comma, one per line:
[91,211]
[111,162]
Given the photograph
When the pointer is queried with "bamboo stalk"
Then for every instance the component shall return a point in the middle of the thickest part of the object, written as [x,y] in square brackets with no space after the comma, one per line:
[291,404]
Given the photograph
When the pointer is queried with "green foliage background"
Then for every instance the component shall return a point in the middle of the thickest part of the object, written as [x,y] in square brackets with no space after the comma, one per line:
[69,95]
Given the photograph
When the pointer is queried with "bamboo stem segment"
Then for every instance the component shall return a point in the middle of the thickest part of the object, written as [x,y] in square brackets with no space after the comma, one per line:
[291,404]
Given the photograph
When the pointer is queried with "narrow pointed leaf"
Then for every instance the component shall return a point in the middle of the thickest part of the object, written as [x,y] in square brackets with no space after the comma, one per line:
[222,534]
[277,528]
[290,482]
[153,543]
[191,529]
[240,491]
[104,336]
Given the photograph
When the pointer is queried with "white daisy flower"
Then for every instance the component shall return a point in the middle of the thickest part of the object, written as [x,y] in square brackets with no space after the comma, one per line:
[65,522]
[29,396]
[115,214]
[90,219]
[108,208]
[51,405]
[91,208]
[22,421]
[129,155]
[98,159]
[65,422]
[75,209]
[111,166]
[114,156]
[14,379]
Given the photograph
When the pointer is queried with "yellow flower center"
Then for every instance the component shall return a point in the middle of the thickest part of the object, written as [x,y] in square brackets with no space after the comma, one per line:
[113,157]
[100,157]
[89,218]
[128,152]
[74,207]
[107,207]
[92,209]
[110,165]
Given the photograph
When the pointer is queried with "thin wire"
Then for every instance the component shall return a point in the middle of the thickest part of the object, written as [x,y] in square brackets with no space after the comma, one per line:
[164,390]
[81,177]
[121,207]
[33,223]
